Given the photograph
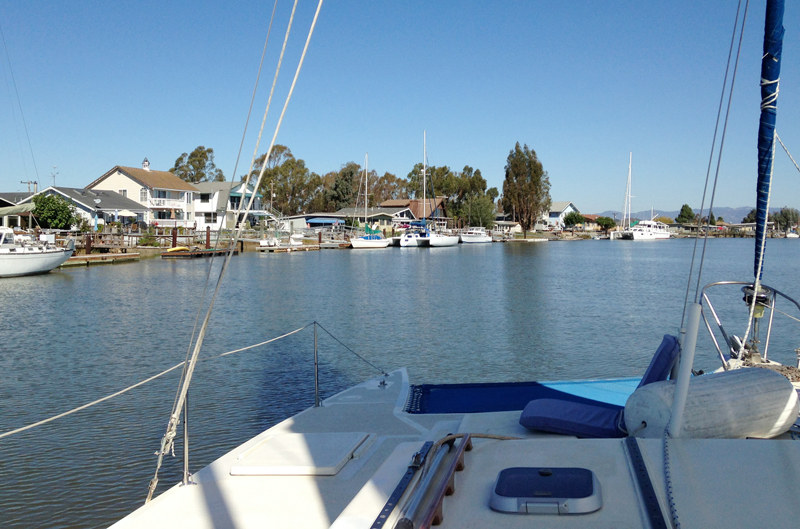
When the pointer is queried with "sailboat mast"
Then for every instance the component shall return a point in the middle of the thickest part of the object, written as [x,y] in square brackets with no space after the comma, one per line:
[626,207]
[424,170]
[366,192]
[770,77]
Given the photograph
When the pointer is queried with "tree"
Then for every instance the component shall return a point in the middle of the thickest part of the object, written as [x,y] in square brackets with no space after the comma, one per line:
[53,211]
[526,188]
[345,186]
[573,218]
[711,220]
[686,216]
[750,217]
[197,166]
[606,223]
[664,219]
[481,211]
[786,218]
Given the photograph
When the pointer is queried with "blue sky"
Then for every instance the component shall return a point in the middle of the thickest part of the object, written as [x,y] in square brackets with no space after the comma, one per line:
[582,83]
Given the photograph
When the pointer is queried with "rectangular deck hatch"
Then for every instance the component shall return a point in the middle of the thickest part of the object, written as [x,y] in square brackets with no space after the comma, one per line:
[552,490]
[296,454]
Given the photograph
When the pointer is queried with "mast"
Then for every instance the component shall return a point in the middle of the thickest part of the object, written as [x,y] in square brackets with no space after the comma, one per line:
[626,207]
[366,177]
[770,77]
[424,169]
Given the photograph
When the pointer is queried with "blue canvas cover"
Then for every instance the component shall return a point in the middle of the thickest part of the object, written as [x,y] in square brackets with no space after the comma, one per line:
[590,418]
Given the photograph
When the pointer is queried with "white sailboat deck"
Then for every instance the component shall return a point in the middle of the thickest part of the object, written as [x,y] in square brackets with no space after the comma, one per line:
[329,466]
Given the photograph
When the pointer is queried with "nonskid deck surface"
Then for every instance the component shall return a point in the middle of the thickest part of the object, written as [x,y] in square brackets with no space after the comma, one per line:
[338,464]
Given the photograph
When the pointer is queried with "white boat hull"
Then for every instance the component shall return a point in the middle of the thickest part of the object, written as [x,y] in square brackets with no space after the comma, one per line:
[473,239]
[360,242]
[440,240]
[30,261]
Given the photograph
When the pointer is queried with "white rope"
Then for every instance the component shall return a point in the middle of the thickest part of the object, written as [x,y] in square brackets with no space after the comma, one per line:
[98,401]
[143,382]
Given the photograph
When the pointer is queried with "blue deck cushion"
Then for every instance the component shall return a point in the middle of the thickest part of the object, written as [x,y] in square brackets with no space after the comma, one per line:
[591,418]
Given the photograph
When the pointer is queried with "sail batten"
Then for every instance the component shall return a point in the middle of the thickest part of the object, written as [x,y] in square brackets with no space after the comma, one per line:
[770,77]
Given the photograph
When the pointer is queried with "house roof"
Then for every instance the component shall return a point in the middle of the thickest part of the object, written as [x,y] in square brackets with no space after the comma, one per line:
[396,203]
[109,200]
[15,197]
[416,205]
[149,178]
[559,207]
[371,212]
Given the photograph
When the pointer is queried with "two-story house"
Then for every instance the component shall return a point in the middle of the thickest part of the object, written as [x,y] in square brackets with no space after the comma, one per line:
[215,205]
[167,198]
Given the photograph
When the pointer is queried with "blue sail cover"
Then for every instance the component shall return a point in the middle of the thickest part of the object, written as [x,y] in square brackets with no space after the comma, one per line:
[770,74]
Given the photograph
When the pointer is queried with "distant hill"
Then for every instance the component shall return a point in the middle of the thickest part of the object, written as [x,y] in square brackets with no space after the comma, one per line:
[732,215]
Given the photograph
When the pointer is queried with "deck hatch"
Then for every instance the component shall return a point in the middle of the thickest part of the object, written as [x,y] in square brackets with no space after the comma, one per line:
[540,490]
[296,454]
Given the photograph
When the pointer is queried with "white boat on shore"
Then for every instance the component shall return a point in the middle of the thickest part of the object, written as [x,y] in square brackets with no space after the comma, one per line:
[670,449]
[476,234]
[31,257]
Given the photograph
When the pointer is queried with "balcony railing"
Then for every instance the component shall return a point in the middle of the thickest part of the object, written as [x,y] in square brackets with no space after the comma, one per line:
[172,203]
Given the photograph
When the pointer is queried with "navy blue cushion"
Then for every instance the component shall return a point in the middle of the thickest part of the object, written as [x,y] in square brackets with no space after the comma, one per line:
[592,418]
[583,419]
[662,362]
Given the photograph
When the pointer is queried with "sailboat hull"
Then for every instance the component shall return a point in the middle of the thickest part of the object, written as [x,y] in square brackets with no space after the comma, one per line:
[361,242]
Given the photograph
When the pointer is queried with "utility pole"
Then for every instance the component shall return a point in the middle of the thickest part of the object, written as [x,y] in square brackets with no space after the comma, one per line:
[54,174]
[29,182]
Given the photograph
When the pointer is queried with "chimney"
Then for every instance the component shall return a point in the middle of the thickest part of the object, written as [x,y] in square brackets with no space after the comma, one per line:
[146,165]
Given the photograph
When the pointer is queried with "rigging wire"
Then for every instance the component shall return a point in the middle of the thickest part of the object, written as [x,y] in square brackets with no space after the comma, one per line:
[727,91]
[171,432]
[19,103]
[217,242]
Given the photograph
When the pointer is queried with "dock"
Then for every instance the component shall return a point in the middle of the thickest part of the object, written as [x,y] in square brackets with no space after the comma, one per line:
[195,253]
[101,258]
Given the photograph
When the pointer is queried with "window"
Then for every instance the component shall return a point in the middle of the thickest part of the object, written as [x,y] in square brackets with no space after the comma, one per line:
[188,198]
[143,194]
[211,218]
[123,192]
[205,198]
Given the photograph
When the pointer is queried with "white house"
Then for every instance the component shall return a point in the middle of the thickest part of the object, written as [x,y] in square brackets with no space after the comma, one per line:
[98,205]
[555,218]
[215,204]
[167,198]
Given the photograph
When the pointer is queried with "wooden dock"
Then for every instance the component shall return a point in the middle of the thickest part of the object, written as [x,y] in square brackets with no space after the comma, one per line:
[100,258]
[287,249]
[196,253]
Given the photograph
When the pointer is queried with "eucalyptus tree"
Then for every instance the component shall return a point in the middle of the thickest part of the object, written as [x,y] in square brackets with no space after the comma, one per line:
[198,166]
[526,188]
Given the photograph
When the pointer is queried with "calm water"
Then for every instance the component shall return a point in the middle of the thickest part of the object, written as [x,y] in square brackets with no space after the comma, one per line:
[474,312]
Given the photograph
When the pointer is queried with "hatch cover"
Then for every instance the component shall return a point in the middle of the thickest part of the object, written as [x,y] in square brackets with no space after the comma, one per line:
[296,454]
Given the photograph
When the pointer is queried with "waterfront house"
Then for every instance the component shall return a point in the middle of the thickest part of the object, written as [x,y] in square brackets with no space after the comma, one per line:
[167,198]
[98,205]
[379,218]
[215,205]
[555,217]
[407,210]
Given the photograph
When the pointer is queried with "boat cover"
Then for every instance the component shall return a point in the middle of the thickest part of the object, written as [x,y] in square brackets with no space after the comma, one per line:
[589,418]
